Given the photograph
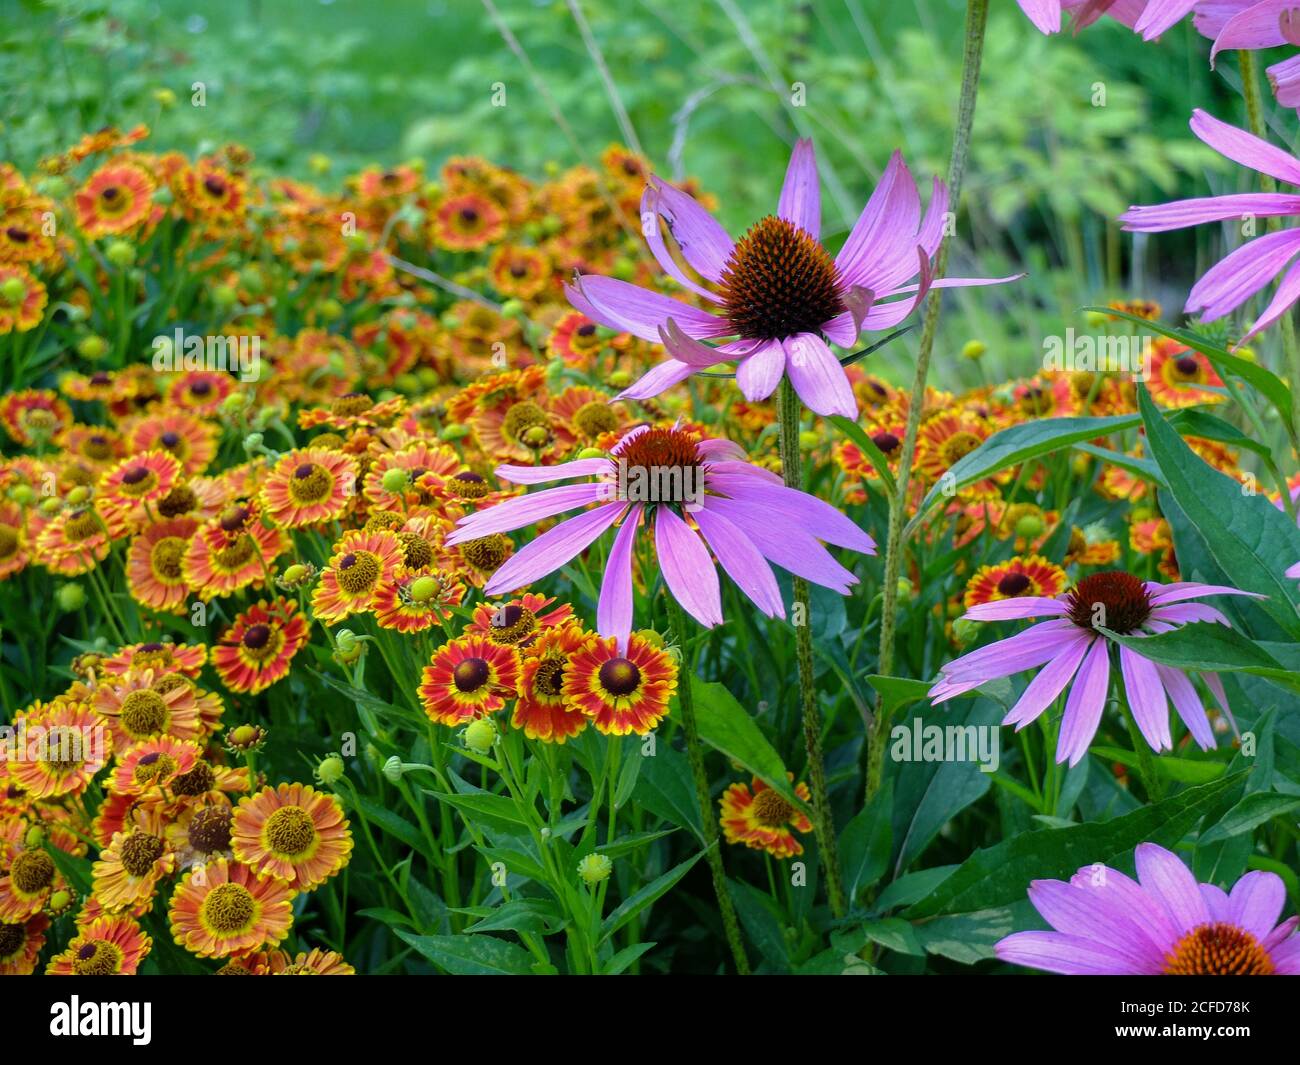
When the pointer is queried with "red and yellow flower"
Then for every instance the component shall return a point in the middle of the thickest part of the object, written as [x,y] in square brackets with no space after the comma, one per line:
[293,833]
[621,691]
[1014,578]
[309,486]
[543,711]
[224,908]
[109,945]
[256,650]
[468,678]
[362,563]
[763,819]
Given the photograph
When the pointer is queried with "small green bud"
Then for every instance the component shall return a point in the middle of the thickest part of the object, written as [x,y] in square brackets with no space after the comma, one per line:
[905,590]
[329,771]
[454,432]
[1029,526]
[79,495]
[224,296]
[965,631]
[13,291]
[396,480]
[423,589]
[92,347]
[973,349]
[70,597]
[120,253]
[479,735]
[23,495]
[592,453]
[329,310]
[594,868]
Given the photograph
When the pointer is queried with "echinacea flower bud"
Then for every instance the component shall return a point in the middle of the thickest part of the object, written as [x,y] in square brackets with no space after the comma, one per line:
[479,735]
[329,770]
[70,597]
[594,868]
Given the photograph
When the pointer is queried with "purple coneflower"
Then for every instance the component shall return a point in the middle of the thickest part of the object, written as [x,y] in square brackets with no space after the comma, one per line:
[779,293]
[741,512]
[1236,278]
[1069,647]
[1162,924]
[1150,18]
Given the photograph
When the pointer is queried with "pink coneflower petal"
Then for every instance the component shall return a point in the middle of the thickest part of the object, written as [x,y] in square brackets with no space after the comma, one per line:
[640,311]
[1182,693]
[815,516]
[687,568]
[614,610]
[1188,612]
[1256,903]
[818,377]
[563,472]
[801,201]
[1027,650]
[1084,706]
[658,379]
[885,230]
[1162,594]
[704,243]
[746,469]
[1048,683]
[1092,911]
[650,215]
[1146,698]
[1245,148]
[1293,571]
[1068,955]
[721,449]
[553,549]
[1288,291]
[1044,14]
[1159,15]
[885,315]
[1235,278]
[759,374]
[1025,606]
[525,510]
[689,350]
[796,551]
[1125,897]
[1258,26]
[1164,876]
[1215,685]
[743,561]
[1177,214]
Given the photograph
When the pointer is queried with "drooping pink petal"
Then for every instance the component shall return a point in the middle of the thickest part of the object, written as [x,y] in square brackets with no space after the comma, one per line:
[1285,79]
[1093,911]
[1084,705]
[705,244]
[563,472]
[639,311]
[614,610]
[885,315]
[800,201]
[788,546]
[657,379]
[1185,612]
[1026,650]
[1258,26]
[1182,693]
[687,568]
[1245,148]
[795,509]
[654,238]
[1178,214]
[1161,594]
[1051,679]
[1146,698]
[743,561]
[1283,300]
[818,377]
[1238,276]
[1159,15]
[1044,14]
[760,373]
[687,349]
[553,549]
[1124,895]
[1162,875]
[524,510]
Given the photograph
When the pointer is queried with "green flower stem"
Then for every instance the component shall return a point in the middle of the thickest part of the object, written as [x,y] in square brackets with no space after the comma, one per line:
[823,823]
[712,846]
[1255,117]
[977,12]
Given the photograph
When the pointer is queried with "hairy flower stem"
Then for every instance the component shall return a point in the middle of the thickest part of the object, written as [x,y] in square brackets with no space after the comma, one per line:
[792,472]
[712,846]
[977,12]
[1255,118]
